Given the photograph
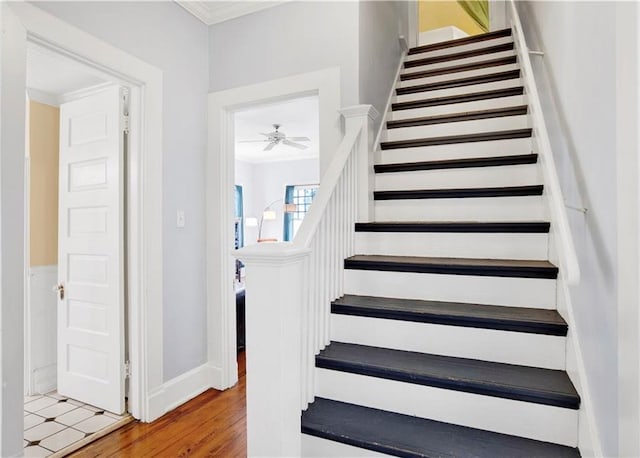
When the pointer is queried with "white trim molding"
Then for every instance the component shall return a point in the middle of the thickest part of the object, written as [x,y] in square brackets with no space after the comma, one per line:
[179,390]
[221,328]
[219,11]
[144,184]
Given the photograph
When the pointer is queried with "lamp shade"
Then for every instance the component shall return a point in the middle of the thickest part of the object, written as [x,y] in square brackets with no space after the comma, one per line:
[269,215]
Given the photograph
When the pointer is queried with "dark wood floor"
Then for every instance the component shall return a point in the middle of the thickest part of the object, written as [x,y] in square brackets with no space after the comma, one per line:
[213,424]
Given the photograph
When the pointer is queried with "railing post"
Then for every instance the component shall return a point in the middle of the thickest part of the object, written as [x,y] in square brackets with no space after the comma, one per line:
[355,116]
[274,286]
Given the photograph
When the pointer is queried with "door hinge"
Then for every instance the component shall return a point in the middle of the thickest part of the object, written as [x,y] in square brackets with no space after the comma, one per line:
[127,369]
[125,123]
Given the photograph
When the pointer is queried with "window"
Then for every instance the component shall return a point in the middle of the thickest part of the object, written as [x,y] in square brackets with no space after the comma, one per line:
[239,213]
[302,197]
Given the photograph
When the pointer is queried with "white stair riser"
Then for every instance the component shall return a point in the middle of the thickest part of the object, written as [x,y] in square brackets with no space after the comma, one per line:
[464,209]
[457,75]
[467,60]
[469,289]
[518,418]
[471,177]
[492,148]
[519,348]
[313,446]
[488,104]
[515,82]
[475,126]
[453,245]
[460,48]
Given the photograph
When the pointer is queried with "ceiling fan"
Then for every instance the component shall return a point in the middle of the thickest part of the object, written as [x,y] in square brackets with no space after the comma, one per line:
[276,137]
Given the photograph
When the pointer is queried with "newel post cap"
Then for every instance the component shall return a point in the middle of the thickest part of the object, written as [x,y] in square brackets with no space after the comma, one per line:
[357,111]
[278,253]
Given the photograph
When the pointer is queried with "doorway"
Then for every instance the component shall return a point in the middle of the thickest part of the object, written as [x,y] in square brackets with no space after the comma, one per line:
[75,230]
[276,165]
[221,297]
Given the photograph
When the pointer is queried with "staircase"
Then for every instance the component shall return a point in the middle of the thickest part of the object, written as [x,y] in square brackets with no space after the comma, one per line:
[447,341]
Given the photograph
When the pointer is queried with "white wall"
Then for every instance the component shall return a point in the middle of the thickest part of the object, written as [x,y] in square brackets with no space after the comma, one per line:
[381,23]
[267,183]
[292,38]
[166,36]
[577,84]
[244,178]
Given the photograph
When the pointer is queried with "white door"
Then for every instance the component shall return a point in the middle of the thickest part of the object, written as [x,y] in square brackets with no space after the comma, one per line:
[90,251]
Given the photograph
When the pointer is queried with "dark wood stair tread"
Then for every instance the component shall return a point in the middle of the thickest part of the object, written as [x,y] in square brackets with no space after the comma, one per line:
[507,227]
[508,381]
[454,266]
[460,68]
[453,139]
[460,82]
[460,193]
[458,98]
[459,117]
[409,436]
[495,161]
[461,41]
[515,319]
[459,55]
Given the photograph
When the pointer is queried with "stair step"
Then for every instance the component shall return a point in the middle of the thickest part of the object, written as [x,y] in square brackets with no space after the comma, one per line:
[461,41]
[408,436]
[460,193]
[459,68]
[460,82]
[458,98]
[459,117]
[515,227]
[508,381]
[497,161]
[459,55]
[516,319]
[454,266]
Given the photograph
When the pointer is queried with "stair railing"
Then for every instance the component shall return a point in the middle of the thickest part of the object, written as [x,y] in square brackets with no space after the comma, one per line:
[567,255]
[289,289]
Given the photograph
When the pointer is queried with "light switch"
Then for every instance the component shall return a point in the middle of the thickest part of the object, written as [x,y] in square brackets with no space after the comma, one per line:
[180,218]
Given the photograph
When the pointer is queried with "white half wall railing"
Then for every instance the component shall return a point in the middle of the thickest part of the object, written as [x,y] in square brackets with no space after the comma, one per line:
[566,251]
[289,288]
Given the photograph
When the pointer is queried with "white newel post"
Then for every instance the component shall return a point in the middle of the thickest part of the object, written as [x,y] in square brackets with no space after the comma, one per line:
[274,281]
[355,116]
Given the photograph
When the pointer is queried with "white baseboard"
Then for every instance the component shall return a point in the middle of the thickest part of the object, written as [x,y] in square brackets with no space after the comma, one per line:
[181,389]
[45,379]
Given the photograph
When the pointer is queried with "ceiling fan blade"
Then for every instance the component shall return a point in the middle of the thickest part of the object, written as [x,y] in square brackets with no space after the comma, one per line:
[266,135]
[299,139]
[295,145]
[270,146]
[253,141]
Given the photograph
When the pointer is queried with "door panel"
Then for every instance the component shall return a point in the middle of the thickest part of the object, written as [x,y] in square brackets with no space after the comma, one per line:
[91,308]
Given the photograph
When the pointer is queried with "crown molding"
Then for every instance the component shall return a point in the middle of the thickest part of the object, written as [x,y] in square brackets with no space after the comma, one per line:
[214,12]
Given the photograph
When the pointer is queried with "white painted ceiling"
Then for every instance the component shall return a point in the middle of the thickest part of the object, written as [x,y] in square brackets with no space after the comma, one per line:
[297,117]
[55,75]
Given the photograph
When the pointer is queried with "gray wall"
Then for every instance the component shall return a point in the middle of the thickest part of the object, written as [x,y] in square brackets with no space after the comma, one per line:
[292,38]
[166,36]
[381,23]
[577,82]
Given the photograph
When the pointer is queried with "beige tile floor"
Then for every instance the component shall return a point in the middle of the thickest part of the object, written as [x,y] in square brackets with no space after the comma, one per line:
[53,423]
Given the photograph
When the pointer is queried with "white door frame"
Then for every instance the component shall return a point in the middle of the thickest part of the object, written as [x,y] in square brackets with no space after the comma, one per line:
[144,212]
[221,317]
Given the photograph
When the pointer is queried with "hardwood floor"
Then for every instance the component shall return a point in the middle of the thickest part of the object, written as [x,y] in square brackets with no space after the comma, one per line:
[212,424]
